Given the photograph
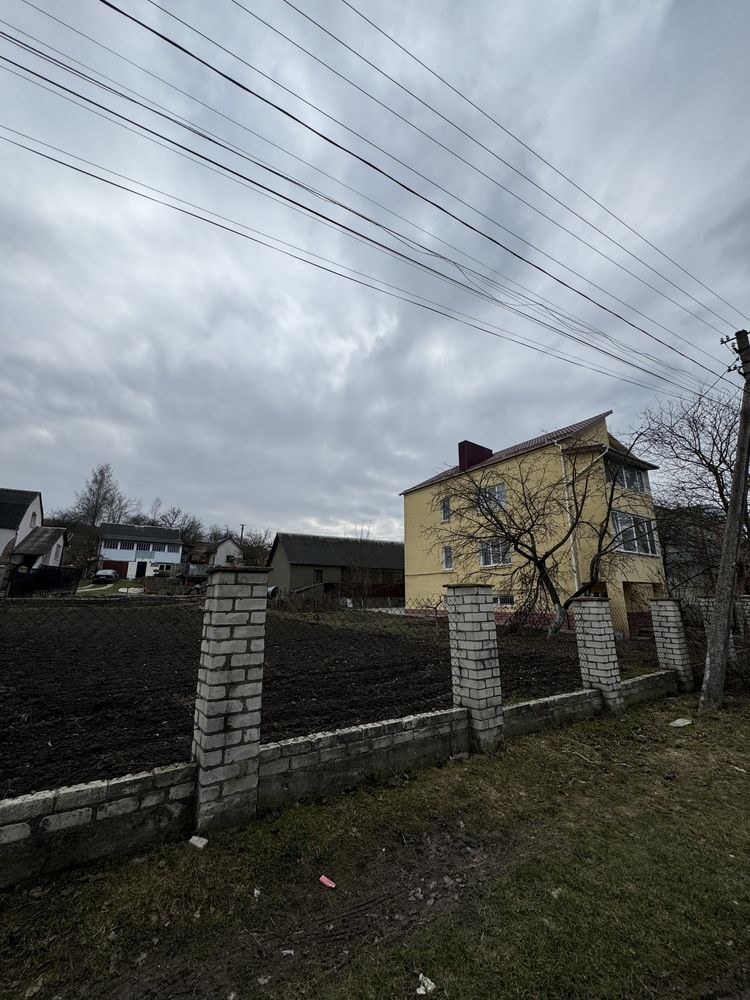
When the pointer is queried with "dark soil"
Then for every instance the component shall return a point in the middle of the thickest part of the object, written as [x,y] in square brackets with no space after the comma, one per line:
[99,688]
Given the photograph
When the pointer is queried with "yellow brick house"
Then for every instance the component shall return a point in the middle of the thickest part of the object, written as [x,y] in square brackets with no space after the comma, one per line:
[572,506]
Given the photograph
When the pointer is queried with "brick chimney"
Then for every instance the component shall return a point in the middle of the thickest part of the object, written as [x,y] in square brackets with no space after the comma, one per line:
[470,454]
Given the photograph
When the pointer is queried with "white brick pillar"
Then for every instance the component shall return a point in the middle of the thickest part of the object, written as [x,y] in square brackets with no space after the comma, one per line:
[597,652]
[226,734]
[671,642]
[475,667]
[706,605]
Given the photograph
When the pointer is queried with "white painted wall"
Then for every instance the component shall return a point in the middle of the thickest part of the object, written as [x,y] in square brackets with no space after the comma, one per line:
[226,548]
[132,557]
[34,508]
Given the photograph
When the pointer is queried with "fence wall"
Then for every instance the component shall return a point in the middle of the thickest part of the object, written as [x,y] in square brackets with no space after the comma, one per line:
[50,830]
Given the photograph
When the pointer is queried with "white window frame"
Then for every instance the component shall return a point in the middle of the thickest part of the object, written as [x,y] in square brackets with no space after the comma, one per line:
[445,509]
[143,546]
[494,552]
[447,557]
[173,547]
[493,496]
[628,477]
[129,545]
[634,534]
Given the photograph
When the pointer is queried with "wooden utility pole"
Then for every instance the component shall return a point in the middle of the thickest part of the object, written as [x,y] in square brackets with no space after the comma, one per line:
[719,630]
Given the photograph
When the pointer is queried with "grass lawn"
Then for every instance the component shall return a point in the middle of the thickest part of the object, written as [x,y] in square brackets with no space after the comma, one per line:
[610,859]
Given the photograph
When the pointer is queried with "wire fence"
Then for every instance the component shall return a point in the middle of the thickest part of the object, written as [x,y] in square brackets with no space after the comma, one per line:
[92,687]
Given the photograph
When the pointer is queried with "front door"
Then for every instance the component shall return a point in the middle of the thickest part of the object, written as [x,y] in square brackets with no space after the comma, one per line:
[140,569]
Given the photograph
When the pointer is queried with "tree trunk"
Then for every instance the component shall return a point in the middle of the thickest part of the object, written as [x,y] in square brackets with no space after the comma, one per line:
[558,621]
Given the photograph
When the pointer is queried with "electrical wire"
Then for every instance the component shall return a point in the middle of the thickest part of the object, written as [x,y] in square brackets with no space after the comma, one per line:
[537,155]
[381,171]
[531,299]
[493,180]
[224,224]
[306,208]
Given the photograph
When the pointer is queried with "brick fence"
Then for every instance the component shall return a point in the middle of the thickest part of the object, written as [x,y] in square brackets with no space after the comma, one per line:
[232,777]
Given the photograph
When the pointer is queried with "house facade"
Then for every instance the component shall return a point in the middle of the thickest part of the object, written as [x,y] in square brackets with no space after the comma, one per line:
[24,538]
[137,550]
[343,567]
[577,488]
[200,556]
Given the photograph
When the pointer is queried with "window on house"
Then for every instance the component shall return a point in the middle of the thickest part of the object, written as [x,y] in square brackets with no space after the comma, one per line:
[504,600]
[317,576]
[158,546]
[447,557]
[228,559]
[33,519]
[493,496]
[627,476]
[634,533]
[172,547]
[143,546]
[445,509]
[127,544]
[110,543]
[494,552]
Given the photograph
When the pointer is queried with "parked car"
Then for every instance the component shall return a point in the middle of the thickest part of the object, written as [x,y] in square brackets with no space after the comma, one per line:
[106,576]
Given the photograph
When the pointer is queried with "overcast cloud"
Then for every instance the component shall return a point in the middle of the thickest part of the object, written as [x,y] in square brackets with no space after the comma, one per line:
[249,387]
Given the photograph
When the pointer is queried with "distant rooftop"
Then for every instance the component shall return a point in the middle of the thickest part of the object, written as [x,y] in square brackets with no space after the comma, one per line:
[140,532]
[324,550]
[13,505]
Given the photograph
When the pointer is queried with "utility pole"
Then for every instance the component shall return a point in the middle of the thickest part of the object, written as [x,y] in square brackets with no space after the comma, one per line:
[719,631]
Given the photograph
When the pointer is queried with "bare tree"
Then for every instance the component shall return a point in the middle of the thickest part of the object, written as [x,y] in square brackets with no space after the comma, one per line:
[549,509]
[256,546]
[358,581]
[695,442]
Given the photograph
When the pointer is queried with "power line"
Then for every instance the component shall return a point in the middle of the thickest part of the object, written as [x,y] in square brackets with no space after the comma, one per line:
[319,216]
[535,153]
[395,159]
[473,166]
[532,298]
[557,314]
[425,303]
[374,243]
[249,90]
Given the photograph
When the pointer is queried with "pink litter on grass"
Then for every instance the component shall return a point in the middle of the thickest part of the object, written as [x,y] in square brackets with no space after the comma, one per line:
[327,882]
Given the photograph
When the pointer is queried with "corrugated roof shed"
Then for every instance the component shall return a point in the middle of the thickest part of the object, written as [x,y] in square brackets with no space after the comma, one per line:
[516,449]
[322,550]
[13,505]
[39,541]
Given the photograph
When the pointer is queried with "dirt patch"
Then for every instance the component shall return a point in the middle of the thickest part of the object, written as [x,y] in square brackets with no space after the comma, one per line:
[98,688]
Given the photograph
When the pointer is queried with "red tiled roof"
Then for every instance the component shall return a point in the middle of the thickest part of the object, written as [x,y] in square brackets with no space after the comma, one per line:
[516,449]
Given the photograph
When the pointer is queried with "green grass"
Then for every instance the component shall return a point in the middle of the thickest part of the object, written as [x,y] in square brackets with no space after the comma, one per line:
[606,860]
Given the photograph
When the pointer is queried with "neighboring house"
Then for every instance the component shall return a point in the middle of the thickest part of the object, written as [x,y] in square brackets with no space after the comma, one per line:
[691,539]
[24,539]
[137,550]
[633,574]
[201,556]
[341,566]
[225,552]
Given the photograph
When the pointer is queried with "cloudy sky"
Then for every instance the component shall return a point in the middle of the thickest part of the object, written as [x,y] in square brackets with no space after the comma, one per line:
[247,386]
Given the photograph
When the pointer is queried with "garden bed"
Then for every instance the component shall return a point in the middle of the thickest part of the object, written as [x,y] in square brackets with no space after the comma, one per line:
[96,689]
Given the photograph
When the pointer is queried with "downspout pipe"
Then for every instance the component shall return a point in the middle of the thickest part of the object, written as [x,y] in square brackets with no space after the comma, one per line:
[573,552]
